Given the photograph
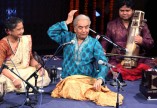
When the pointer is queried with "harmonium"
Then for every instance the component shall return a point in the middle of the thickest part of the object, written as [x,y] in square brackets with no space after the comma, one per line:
[148,85]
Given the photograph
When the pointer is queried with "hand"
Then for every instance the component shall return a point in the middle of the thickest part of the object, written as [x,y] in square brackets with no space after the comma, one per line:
[17,83]
[104,51]
[97,84]
[138,39]
[42,72]
[70,16]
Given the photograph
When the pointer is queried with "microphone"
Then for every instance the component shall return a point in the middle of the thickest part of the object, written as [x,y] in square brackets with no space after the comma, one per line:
[126,50]
[92,30]
[104,37]
[123,49]
[71,42]
[106,64]
[97,36]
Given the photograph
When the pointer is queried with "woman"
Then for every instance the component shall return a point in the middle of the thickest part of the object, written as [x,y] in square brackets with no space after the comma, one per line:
[16,53]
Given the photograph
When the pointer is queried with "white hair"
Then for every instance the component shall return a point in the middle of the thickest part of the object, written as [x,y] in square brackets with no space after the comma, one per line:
[81,17]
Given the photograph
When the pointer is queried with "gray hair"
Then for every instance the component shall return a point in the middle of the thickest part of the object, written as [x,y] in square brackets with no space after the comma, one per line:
[81,17]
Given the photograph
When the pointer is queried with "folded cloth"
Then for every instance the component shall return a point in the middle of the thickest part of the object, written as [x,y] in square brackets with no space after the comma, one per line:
[80,87]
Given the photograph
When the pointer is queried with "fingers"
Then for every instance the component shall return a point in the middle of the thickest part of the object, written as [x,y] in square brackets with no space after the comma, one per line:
[97,84]
[70,16]
[17,83]
[138,39]
[18,86]
[71,13]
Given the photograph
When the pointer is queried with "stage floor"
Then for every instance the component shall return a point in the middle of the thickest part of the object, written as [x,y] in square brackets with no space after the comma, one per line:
[133,98]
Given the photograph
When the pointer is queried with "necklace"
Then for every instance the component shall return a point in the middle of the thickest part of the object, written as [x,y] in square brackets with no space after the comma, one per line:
[13,51]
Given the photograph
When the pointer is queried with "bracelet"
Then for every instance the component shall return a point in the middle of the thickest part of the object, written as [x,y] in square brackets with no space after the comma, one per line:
[36,66]
[14,80]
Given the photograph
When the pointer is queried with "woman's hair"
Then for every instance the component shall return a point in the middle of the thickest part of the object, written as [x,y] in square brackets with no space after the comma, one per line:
[80,17]
[12,22]
[128,3]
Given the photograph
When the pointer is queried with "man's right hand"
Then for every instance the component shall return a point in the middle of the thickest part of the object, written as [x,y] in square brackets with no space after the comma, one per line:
[70,16]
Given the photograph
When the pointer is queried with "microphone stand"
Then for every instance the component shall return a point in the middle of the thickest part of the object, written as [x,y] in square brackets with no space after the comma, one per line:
[35,76]
[114,44]
[117,80]
[34,89]
[118,88]
[53,74]
[42,65]
[28,102]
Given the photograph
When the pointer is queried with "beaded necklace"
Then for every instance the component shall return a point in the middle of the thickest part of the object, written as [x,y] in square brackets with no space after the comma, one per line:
[14,51]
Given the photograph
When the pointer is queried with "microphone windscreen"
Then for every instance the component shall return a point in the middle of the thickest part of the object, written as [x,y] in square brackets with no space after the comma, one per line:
[100,62]
[72,41]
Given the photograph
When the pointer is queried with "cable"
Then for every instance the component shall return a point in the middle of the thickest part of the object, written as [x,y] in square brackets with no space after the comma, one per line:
[19,75]
[44,65]
[58,50]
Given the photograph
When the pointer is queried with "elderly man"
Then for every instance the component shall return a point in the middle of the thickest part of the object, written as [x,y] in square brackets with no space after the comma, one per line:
[81,80]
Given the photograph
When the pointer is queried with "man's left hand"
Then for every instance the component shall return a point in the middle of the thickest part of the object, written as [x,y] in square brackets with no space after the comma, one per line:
[138,39]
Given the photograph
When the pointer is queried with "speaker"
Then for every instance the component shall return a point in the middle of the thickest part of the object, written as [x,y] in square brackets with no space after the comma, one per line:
[154,82]
[149,79]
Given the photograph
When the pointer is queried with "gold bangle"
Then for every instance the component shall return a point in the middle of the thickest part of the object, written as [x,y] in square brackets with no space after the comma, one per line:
[36,66]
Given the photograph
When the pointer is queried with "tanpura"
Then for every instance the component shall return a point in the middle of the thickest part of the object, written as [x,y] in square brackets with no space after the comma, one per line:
[133,48]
